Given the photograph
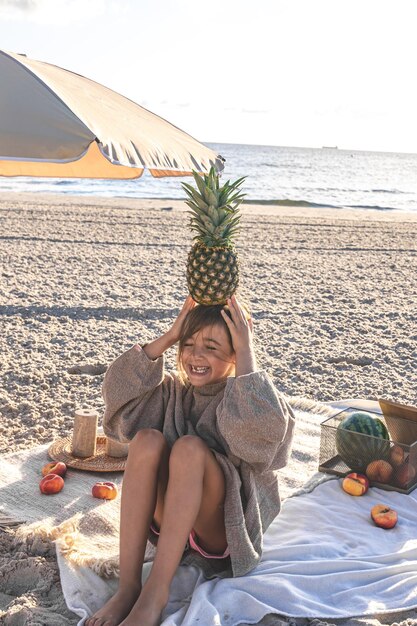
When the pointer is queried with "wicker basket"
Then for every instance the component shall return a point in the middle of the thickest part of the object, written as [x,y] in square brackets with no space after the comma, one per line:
[404,477]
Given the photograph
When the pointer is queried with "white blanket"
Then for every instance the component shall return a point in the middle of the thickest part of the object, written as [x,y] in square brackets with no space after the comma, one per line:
[323,557]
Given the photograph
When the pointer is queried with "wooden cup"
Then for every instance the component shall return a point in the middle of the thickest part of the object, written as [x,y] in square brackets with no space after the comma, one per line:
[84,436]
[116,449]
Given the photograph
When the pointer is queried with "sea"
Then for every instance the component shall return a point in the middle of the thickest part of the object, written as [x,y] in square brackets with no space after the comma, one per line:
[282,176]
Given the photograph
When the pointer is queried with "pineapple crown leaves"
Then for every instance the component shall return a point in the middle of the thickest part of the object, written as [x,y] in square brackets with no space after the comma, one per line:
[214,208]
[209,192]
[215,235]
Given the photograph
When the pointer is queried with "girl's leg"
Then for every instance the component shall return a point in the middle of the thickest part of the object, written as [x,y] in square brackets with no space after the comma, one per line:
[194,499]
[144,485]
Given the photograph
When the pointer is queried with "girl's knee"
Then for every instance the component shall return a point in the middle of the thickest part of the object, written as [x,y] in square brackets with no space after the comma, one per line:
[148,441]
[189,449]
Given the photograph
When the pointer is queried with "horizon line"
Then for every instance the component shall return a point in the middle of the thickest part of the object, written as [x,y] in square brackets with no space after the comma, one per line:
[336,148]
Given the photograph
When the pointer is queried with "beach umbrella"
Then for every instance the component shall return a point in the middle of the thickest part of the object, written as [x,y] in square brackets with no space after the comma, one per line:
[56,123]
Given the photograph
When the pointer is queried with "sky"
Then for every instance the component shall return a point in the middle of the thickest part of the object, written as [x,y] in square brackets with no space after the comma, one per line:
[307,73]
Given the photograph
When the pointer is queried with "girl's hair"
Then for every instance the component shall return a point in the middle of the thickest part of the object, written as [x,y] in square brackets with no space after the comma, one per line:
[203,316]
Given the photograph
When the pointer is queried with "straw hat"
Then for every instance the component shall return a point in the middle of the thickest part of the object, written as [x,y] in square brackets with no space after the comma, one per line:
[60,450]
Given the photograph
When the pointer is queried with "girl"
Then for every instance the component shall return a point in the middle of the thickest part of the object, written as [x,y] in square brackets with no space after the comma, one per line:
[201,477]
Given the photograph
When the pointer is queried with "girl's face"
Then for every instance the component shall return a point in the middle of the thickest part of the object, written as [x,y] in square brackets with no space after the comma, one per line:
[207,356]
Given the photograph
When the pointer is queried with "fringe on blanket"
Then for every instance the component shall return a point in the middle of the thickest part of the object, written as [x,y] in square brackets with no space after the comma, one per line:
[7,522]
[317,479]
[78,549]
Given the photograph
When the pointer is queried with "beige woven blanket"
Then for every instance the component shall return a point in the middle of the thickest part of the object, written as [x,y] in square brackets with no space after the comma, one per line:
[86,529]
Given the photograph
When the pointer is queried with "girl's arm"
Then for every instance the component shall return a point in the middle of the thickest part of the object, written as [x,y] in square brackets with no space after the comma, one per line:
[256,422]
[136,390]
[253,417]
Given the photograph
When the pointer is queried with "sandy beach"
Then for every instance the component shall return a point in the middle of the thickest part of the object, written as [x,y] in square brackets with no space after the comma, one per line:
[333,295]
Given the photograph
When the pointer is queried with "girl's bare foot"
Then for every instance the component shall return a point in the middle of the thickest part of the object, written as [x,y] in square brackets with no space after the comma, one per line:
[115,609]
[148,608]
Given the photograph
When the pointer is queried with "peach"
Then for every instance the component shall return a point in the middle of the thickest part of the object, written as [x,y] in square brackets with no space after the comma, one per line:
[51,483]
[379,471]
[404,475]
[355,484]
[396,455]
[55,467]
[105,491]
[383,516]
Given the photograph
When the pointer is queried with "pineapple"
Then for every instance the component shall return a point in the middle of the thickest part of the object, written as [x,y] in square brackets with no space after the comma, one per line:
[213,266]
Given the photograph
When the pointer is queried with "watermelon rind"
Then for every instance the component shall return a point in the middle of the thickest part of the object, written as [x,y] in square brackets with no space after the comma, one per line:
[360,439]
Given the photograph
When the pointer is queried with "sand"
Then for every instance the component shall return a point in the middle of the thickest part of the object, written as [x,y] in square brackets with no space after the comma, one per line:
[333,295]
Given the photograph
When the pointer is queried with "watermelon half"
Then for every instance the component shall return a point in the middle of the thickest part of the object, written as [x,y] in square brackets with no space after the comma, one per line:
[360,439]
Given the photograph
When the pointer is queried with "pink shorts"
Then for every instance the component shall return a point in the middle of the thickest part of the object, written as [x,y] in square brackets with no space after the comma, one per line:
[194,545]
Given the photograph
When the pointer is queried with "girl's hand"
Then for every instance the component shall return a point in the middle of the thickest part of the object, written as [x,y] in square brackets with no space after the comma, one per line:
[241,330]
[156,348]
[175,330]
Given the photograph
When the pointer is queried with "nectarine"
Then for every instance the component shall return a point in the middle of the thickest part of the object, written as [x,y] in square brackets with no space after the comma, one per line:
[355,484]
[51,483]
[105,491]
[379,471]
[404,475]
[55,467]
[396,455]
[383,516]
